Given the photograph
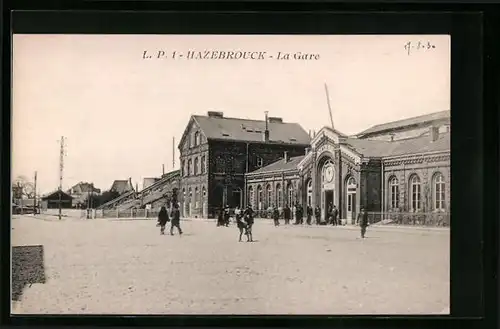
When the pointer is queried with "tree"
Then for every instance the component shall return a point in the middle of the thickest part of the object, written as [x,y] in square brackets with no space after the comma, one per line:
[22,187]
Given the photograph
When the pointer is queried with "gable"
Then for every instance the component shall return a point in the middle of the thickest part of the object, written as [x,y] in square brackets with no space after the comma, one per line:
[329,133]
[187,139]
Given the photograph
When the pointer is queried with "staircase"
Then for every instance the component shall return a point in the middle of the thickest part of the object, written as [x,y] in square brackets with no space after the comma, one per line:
[152,194]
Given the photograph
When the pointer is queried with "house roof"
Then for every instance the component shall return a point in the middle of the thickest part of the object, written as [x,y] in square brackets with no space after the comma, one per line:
[280,165]
[251,130]
[422,144]
[84,187]
[121,186]
[56,192]
[427,118]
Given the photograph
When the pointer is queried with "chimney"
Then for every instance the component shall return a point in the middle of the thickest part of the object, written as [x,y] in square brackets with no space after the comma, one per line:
[266,132]
[275,120]
[215,114]
[392,137]
[307,151]
[163,169]
[434,133]
[285,158]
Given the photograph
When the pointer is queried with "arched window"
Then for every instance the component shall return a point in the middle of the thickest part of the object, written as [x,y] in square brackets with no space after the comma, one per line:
[183,169]
[195,168]
[190,196]
[260,197]
[351,181]
[415,193]
[269,195]
[326,176]
[204,192]
[309,192]
[289,194]
[439,192]
[393,193]
[196,197]
[197,138]
[203,164]
[278,195]
[189,167]
[250,196]
[184,194]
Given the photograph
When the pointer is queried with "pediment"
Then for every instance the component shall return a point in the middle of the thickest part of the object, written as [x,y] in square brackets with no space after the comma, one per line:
[327,133]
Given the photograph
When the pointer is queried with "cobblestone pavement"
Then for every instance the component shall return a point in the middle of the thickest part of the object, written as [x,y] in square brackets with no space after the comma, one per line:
[127,267]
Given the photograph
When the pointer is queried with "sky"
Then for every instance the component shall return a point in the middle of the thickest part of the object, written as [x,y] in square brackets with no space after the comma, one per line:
[119,111]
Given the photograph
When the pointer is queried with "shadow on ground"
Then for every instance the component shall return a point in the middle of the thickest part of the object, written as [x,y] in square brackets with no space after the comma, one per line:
[27,268]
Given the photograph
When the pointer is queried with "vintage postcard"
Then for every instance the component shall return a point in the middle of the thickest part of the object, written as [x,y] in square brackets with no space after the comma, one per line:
[231,174]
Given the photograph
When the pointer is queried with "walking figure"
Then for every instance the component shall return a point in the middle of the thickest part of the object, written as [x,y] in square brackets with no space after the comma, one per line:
[176,220]
[298,215]
[163,219]
[226,216]
[363,221]
[287,214]
[317,214]
[335,213]
[276,216]
[309,214]
[220,217]
[239,221]
[249,221]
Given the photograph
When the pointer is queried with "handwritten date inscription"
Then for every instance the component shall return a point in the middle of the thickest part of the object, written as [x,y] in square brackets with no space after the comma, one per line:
[411,47]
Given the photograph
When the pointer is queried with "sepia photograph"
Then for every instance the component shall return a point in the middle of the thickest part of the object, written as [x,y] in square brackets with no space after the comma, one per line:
[230,174]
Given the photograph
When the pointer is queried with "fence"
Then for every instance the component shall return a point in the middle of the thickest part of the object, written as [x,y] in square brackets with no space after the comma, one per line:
[438,219]
[128,213]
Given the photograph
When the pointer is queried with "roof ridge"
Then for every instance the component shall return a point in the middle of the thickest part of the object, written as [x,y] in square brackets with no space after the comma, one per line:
[241,119]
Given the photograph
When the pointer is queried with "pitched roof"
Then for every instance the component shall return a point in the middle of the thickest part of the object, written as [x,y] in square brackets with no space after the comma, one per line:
[374,148]
[426,118]
[121,186]
[251,130]
[56,192]
[280,165]
[84,187]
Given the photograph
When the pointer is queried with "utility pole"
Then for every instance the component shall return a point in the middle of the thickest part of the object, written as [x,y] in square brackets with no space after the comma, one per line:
[173,153]
[61,169]
[329,106]
[34,201]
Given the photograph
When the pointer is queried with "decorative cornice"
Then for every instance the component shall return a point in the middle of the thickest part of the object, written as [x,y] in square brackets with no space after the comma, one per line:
[417,159]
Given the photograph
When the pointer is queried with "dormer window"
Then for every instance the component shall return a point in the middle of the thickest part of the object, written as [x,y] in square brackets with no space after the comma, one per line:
[197,138]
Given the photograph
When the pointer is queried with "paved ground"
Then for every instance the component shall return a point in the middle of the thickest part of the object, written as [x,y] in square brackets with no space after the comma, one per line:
[127,267]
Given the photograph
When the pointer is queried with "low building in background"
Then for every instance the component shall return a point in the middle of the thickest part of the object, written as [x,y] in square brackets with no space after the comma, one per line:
[52,200]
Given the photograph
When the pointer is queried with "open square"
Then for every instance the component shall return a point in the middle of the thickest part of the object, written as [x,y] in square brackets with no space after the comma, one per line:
[127,267]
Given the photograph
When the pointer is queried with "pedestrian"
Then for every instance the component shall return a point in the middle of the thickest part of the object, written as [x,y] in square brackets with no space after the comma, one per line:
[329,215]
[363,221]
[163,219]
[249,221]
[298,215]
[276,216]
[220,217]
[301,214]
[239,222]
[335,213]
[287,214]
[294,212]
[176,220]
[226,216]
[317,214]
[309,214]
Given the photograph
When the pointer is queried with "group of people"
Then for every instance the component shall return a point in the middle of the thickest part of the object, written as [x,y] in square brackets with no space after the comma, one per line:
[331,218]
[174,217]
[244,220]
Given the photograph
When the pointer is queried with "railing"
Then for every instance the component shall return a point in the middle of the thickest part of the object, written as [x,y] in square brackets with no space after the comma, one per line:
[128,213]
[437,219]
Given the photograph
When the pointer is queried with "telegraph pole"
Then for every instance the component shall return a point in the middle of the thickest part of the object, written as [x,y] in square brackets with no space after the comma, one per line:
[34,201]
[173,153]
[61,169]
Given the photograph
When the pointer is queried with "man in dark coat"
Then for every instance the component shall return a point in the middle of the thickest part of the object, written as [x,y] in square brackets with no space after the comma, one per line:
[335,213]
[163,219]
[298,215]
[176,220]
[226,216]
[276,216]
[249,221]
[317,214]
[309,212]
[287,214]
[363,221]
